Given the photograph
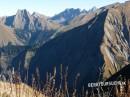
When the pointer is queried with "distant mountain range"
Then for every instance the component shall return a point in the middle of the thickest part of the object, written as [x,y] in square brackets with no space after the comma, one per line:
[37,28]
[67,15]
[93,43]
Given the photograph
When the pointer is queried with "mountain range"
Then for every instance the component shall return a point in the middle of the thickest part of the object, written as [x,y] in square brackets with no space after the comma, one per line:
[36,28]
[94,43]
[28,27]
[67,15]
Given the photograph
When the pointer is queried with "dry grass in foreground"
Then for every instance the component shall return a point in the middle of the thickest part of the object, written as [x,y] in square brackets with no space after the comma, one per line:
[15,87]
[18,90]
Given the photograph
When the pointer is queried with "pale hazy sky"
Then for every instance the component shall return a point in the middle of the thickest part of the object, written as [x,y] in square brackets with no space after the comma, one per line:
[49,7]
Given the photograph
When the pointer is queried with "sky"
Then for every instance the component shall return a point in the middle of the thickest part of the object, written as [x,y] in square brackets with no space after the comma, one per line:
[49,7]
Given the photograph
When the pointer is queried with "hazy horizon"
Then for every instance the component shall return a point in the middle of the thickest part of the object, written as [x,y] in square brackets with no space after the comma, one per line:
[50,8]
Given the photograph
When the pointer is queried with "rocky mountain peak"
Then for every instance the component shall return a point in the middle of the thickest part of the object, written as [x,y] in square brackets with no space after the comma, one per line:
[92,9]
[38,15]
[67,15]
[23,12]
[69,10]
[22,19]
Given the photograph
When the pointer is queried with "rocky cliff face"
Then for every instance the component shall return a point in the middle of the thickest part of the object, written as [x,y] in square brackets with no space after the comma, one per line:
[115,46]
[99,46]
[30,28]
